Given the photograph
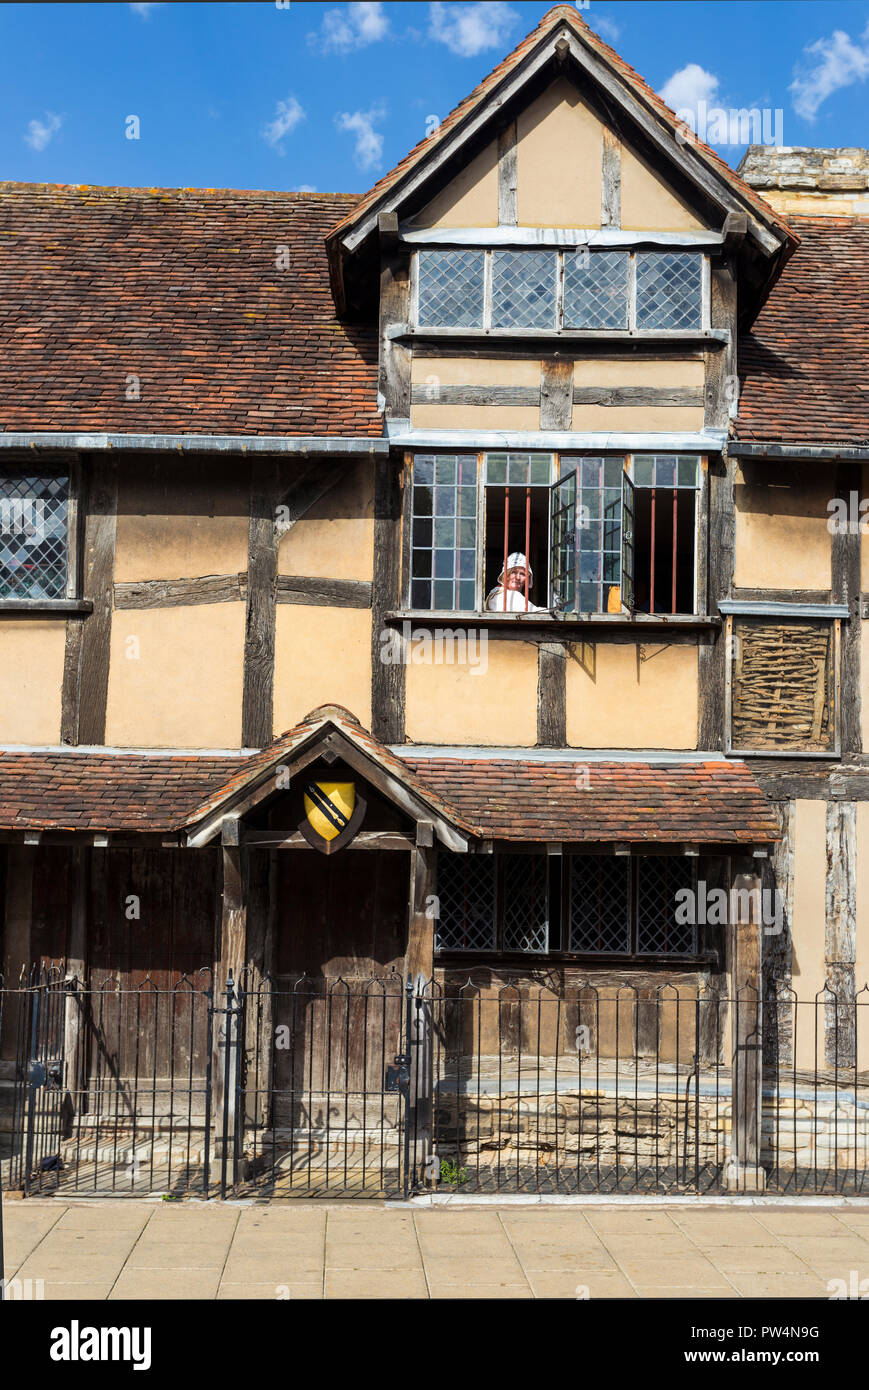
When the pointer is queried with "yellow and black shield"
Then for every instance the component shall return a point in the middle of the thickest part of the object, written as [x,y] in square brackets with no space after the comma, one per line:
[333,814]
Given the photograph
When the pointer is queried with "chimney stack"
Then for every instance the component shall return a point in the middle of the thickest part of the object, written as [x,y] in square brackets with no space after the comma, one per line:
[815,183]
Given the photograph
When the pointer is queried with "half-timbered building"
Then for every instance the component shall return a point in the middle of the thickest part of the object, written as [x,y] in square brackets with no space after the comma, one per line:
[272,705]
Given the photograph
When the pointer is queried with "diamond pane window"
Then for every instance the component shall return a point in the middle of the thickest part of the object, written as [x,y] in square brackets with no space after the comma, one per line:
[596,289]
[669,289]
[33,536]
[451,289]
[599,903]
[466,901]
[659,879]
[525,898]
[524,289]
[444,532]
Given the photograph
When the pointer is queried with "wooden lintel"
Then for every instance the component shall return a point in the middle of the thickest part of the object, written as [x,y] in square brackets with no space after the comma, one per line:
[366,839]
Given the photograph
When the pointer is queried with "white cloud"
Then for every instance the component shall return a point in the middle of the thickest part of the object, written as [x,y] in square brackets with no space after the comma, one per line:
[304,188]
[143,8]
[287,116]
[39,133]
[838,62]
[369,142]
[470,29]
[607,28]
[355,26]
[688,87]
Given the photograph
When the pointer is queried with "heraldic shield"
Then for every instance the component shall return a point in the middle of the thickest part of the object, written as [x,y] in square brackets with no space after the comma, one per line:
[334,812]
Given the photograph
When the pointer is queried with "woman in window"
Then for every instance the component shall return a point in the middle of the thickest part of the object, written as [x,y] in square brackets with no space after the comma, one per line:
[510,598]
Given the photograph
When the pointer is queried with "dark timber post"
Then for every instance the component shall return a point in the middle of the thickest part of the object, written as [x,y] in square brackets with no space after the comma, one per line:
[743,1171]
[229,961]
[419,971]
[75,973]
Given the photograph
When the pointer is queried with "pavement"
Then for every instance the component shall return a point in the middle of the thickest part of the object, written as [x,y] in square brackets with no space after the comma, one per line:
[118,1249]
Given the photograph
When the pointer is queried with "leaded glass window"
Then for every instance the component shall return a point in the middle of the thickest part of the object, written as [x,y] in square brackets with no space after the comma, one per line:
[631,905]
[599,903]
[466,902]
[451,289]
[669,289]
[660,930]
[596,289]
[34,547]
[490,902]
[444,532]
[524,289]
[581,288]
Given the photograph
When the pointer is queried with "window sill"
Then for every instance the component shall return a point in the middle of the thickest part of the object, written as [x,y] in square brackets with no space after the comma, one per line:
[559,622]
[605,960]
[61,606]
[707,336]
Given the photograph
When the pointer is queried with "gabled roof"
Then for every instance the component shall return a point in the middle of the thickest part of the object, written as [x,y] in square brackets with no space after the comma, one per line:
[179,287]
[804,367]
[562,19]
[480,798]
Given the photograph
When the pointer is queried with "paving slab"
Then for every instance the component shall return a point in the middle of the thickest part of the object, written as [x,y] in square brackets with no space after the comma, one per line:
[145,1249]
[281,1293]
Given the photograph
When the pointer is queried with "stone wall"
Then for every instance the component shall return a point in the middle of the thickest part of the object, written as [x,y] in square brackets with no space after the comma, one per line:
[813,182]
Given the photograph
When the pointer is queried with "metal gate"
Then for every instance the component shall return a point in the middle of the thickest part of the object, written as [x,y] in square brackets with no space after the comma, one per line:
[320,1072]
[377,1087]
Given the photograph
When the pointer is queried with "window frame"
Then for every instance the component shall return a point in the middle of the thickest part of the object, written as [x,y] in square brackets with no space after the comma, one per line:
[704,950]
[563,462]
[70,469]
[497,860]
[558,328]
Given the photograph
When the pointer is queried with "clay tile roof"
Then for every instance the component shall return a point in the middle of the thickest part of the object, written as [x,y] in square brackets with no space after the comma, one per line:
[713,802]
[181,288]
[557,15]
[119,792]
[488,798]
[804,367]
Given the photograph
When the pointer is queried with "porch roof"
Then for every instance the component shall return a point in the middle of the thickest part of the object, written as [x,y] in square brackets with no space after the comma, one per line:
[486,797]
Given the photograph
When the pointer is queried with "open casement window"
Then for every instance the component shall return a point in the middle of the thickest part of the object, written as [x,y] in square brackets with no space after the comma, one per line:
[588,507]
[783,685]
[601,534]
[34,535]
[664,507]
[492,902]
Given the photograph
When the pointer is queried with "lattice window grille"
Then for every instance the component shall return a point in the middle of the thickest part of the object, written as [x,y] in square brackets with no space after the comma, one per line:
[466,902]
[669,290]
[525,902]
[596,289]
[573,289]
[524,287]
[599,904]
[33,536]
[450,293]
[659,880]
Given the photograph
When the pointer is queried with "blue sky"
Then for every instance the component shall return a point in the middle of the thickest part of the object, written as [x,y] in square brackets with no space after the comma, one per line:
[330,96]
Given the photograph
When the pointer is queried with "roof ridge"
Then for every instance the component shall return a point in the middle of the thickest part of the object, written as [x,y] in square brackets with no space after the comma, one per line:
[16,185]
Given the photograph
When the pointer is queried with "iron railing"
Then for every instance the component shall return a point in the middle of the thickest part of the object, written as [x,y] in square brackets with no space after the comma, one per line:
[381,1087]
